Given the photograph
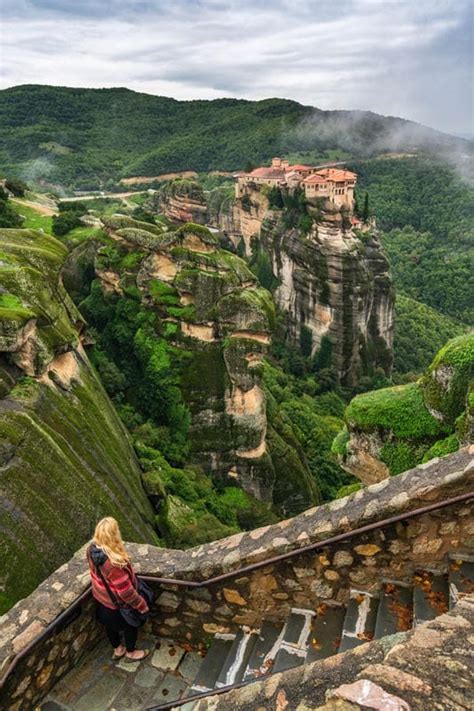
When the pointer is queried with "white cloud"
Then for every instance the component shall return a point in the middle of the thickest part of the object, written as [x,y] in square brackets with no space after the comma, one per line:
[367,54]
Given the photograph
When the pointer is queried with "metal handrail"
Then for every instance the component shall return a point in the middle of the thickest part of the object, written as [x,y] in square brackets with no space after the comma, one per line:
[234,574]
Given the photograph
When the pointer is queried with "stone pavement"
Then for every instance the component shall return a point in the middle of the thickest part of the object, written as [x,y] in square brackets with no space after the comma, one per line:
[100,684]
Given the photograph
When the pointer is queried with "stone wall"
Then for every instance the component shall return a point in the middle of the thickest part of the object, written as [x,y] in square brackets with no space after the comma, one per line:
[52,657]
[306,580]
[395,551]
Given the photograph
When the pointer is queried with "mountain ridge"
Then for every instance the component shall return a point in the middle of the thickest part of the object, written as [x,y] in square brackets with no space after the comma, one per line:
[93,137]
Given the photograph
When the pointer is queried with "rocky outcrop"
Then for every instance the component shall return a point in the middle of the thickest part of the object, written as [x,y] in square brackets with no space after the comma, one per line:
[338,288]
[183,200]
[65,458]
[333,283]
[395,428]
[213,325]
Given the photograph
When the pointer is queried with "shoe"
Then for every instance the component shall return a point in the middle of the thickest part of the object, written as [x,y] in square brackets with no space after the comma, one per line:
[116,657]
[130,660]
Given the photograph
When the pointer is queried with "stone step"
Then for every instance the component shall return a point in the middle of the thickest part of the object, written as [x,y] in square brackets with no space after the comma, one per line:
[430,596]
[294,642]
[359,623]
[287,658]
[461,577]
[237,659]
[395,612]
[264,652]
[211,666]
[326,632]
[297,628]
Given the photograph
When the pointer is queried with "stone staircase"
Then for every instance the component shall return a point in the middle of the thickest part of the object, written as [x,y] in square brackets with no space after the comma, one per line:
[310,635]
[174,671]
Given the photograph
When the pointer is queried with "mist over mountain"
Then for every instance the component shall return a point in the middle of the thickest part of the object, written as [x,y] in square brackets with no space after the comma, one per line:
[94,137]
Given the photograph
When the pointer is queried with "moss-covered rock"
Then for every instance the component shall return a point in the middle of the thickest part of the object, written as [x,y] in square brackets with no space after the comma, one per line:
[37,317]
[447,380]
[183,200]
[119,222]
[206,325]
[65,458]
[394,429]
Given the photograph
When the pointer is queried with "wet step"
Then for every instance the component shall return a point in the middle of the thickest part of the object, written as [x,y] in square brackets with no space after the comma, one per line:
[326,632]
[360,619]
[235,664]
[287,658]
[430,596]
[395,612]
[461,578]
[297,628]
[211,666]
[294,643]
[265,649]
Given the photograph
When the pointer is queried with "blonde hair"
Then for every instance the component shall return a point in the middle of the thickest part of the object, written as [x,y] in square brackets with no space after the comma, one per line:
[108,538]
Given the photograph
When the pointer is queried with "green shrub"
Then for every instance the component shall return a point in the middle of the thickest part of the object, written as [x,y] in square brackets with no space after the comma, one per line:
[306,341]
[347,490]
[65,222]
[401,456]
[442,448]
[400,409]
[339,445]
[16,186]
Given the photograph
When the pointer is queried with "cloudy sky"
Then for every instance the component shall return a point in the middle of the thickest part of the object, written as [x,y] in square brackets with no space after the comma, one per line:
[410,58]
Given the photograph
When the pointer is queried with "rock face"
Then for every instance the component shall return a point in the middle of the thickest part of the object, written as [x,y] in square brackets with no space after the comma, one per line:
[212,324]
[340,290]
[65,458]
[332,282]
[393,429]
[183,200]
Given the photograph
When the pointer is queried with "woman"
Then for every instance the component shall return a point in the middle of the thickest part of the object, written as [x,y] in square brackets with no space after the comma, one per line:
[114,584]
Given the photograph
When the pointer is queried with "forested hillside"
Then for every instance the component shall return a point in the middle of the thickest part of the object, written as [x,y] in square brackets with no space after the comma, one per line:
[425,210]
[419,333]
[92,137]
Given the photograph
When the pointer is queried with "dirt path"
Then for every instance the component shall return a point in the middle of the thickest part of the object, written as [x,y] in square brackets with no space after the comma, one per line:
[100,197]
[42,209]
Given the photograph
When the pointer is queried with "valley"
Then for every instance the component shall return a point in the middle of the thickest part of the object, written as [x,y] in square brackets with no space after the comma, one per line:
[230,324]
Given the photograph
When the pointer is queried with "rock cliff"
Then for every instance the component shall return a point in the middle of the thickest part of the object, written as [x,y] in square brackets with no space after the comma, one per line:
[202,323]
[393,429]
[65,458]
[339,289]
[182,200]
[330,280]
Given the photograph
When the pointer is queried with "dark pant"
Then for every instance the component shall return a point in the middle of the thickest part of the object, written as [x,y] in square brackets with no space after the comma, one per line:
[114,624]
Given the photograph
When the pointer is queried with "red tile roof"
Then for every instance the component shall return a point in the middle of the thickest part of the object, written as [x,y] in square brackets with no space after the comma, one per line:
[337,174]
[333,175]
[322,176]
[315,178]
[267,173]
[300,166]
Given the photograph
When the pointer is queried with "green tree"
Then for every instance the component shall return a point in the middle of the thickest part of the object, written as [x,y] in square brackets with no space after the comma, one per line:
[323,356]
[65,222]
[8,215]
[16,186]
[365,210]
[306,340]
[275,199]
